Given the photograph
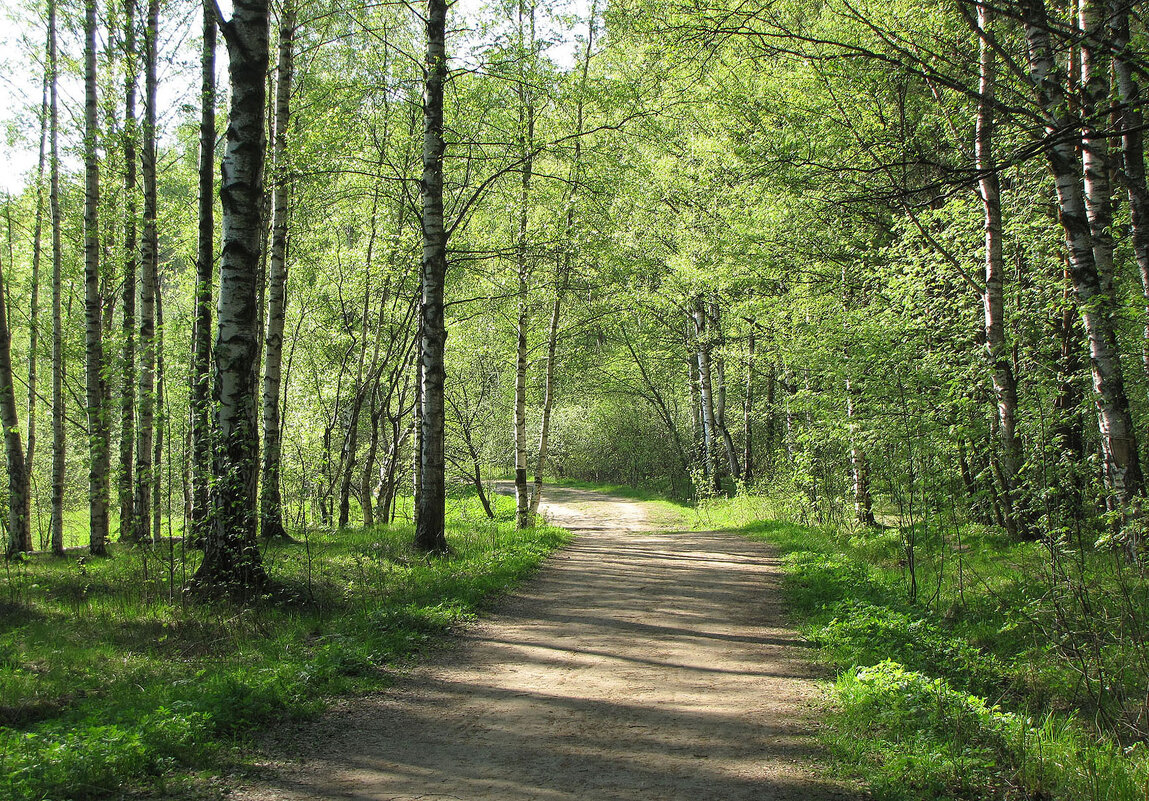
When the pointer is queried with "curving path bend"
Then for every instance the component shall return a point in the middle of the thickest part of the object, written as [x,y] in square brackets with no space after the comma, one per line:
[639,664]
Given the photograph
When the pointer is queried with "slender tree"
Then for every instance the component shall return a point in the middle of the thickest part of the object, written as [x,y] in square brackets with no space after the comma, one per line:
[271,501]
[231,561]
[199,391]
[34,311]
[99,443]
[59,442]
[522,263]
[19,529]
[126,482]
[431,497]
[1092,291]
[993,296]
[149,266]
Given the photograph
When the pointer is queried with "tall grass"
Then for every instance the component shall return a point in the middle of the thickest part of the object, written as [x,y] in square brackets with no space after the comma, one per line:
[1014,671]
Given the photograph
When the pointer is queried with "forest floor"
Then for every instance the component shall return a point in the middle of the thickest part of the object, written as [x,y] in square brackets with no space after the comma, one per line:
[642,662]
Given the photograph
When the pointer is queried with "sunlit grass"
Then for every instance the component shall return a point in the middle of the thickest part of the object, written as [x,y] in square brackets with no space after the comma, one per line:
[109,676]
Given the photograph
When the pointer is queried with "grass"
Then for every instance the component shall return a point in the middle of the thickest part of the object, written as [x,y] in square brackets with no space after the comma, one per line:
[1015,671]
[109,679]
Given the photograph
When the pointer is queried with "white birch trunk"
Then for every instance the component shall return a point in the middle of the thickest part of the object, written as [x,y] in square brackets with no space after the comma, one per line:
[59,441]
[232,562]
[271,500]
[126,481]
[1119,442]
[149,266]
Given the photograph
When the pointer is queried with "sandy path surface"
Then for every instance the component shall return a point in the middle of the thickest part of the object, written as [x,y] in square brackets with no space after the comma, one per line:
[640,664]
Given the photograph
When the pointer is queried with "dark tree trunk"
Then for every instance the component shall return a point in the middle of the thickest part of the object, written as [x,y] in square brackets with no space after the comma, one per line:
[149,267]
[430,524]
[98,429]
[34,312]
[271,499]
[126,482]
[1131,122]
[19,529]
[706,398]
[161,419]
[59,441]
[200,389]
[748,413]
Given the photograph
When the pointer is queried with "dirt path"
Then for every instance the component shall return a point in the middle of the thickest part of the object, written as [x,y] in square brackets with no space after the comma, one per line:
[639,664]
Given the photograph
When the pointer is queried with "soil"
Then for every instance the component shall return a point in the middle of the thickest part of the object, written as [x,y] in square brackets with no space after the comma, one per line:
[640,663]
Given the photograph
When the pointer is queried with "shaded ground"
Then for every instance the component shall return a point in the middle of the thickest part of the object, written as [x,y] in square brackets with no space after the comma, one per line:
[640,663]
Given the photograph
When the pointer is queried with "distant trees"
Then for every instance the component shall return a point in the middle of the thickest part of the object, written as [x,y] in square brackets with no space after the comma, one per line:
[904,262]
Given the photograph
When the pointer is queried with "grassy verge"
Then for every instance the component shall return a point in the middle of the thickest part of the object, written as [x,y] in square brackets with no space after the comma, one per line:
[108,679]
[992,682]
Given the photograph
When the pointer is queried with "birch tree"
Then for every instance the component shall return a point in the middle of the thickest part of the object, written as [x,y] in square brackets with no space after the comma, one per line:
[231,560]
[1091,288]
[99,443]
[200,389]
[149,266]
[271,502]
[126,480]
[19,530]
[59,443]
[431,499]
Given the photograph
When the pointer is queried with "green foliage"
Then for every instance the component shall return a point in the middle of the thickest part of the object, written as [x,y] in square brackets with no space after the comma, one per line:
[913,736]
[970,692]
[106,683]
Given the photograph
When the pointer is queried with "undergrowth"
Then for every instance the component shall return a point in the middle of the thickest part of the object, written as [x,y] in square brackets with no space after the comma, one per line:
[1013,673]
[109,678]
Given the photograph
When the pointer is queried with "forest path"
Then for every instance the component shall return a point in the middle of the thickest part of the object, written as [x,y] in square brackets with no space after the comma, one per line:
[639,663]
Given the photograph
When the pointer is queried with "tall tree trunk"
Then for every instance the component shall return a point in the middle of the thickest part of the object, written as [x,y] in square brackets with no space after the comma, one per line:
[367,474]
[548,401]
[1095,161]
[34,312]
[748,412]
[231,560]
[1119,442]
[706,397]
[149,265]
[126,482]
[271,499]
[859,463]
[98,428]
[997,349]
[417,414]
[59,442]
[770,438]
[720,417]
[431,503]
[1131,121]
[360,389]
[19,528]
[526,145]
[161,419]
[200,388]
[562,273]
[698,437]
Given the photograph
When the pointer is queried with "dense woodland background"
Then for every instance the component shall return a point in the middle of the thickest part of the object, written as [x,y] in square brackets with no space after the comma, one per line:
[882,265]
